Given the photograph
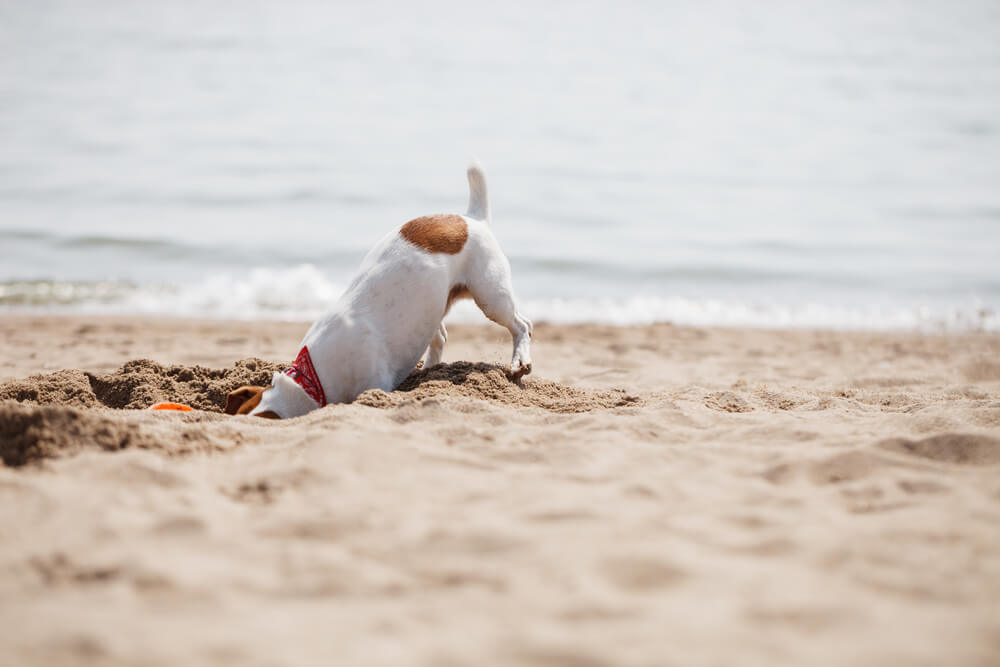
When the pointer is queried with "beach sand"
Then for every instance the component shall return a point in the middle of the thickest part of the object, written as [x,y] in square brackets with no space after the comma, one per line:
[651,495]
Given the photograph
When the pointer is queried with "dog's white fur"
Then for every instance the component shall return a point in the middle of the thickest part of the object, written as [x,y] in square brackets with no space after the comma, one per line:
[393,310]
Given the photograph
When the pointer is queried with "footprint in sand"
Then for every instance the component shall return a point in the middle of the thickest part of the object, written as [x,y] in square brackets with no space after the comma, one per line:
[842,467]
[639,574]
[964,448]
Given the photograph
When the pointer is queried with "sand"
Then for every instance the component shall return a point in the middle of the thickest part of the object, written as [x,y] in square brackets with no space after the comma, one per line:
[650,495]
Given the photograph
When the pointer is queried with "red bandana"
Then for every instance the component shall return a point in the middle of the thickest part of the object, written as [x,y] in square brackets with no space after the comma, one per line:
[304,373]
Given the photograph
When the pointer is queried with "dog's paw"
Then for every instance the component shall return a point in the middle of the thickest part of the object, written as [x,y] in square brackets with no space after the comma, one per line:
[518,369]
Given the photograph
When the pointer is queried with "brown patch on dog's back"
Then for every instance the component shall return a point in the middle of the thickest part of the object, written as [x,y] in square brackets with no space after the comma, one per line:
[437,233]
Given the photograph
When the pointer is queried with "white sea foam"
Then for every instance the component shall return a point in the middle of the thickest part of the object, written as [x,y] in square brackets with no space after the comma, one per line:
[304,292]
[300,292]
[714,312]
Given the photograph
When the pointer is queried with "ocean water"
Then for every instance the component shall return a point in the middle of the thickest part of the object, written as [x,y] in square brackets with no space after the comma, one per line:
[781,164]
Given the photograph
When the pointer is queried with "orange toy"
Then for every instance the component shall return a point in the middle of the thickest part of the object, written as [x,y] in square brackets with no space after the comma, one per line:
[172,406]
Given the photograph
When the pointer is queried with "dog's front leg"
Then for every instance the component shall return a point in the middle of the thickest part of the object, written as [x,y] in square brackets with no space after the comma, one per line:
[436,348]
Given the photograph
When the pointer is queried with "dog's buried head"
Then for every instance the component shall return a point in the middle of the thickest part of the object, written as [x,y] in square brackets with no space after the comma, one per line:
[289,400]
[241,401]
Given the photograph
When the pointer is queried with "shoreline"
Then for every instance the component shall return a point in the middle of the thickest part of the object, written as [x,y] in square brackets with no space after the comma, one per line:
[970,315]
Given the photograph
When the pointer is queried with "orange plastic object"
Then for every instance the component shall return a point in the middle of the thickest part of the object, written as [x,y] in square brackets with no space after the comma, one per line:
[180,407]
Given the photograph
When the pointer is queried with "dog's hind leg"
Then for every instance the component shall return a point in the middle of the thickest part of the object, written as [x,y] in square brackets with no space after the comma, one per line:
[435,349]
[496,299]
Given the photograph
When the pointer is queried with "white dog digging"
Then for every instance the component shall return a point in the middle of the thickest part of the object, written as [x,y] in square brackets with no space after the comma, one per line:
[393,310]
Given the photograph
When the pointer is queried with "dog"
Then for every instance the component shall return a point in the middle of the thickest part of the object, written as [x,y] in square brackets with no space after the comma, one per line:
[393,311]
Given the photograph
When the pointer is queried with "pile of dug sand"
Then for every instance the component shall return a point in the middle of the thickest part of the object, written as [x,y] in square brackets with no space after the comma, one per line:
[139,384]
[490,382]
[61,413]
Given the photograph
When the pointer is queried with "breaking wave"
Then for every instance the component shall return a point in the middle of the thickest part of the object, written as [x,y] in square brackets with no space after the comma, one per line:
[303,292]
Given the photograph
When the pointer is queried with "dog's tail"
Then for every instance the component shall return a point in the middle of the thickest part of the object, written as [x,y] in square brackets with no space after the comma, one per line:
[479,201]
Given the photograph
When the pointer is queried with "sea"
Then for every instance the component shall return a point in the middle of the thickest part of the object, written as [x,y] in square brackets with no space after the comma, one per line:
[788,163]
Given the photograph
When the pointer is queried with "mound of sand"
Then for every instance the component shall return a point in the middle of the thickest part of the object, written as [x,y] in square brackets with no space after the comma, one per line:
[59,414]
[31,433]
[489,382]
[139,384]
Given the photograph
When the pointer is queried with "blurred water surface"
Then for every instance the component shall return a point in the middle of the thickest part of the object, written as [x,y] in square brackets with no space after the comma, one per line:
[772,164]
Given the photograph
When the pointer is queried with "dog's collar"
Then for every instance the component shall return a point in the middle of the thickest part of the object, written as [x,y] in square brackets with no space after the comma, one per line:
[304,374]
